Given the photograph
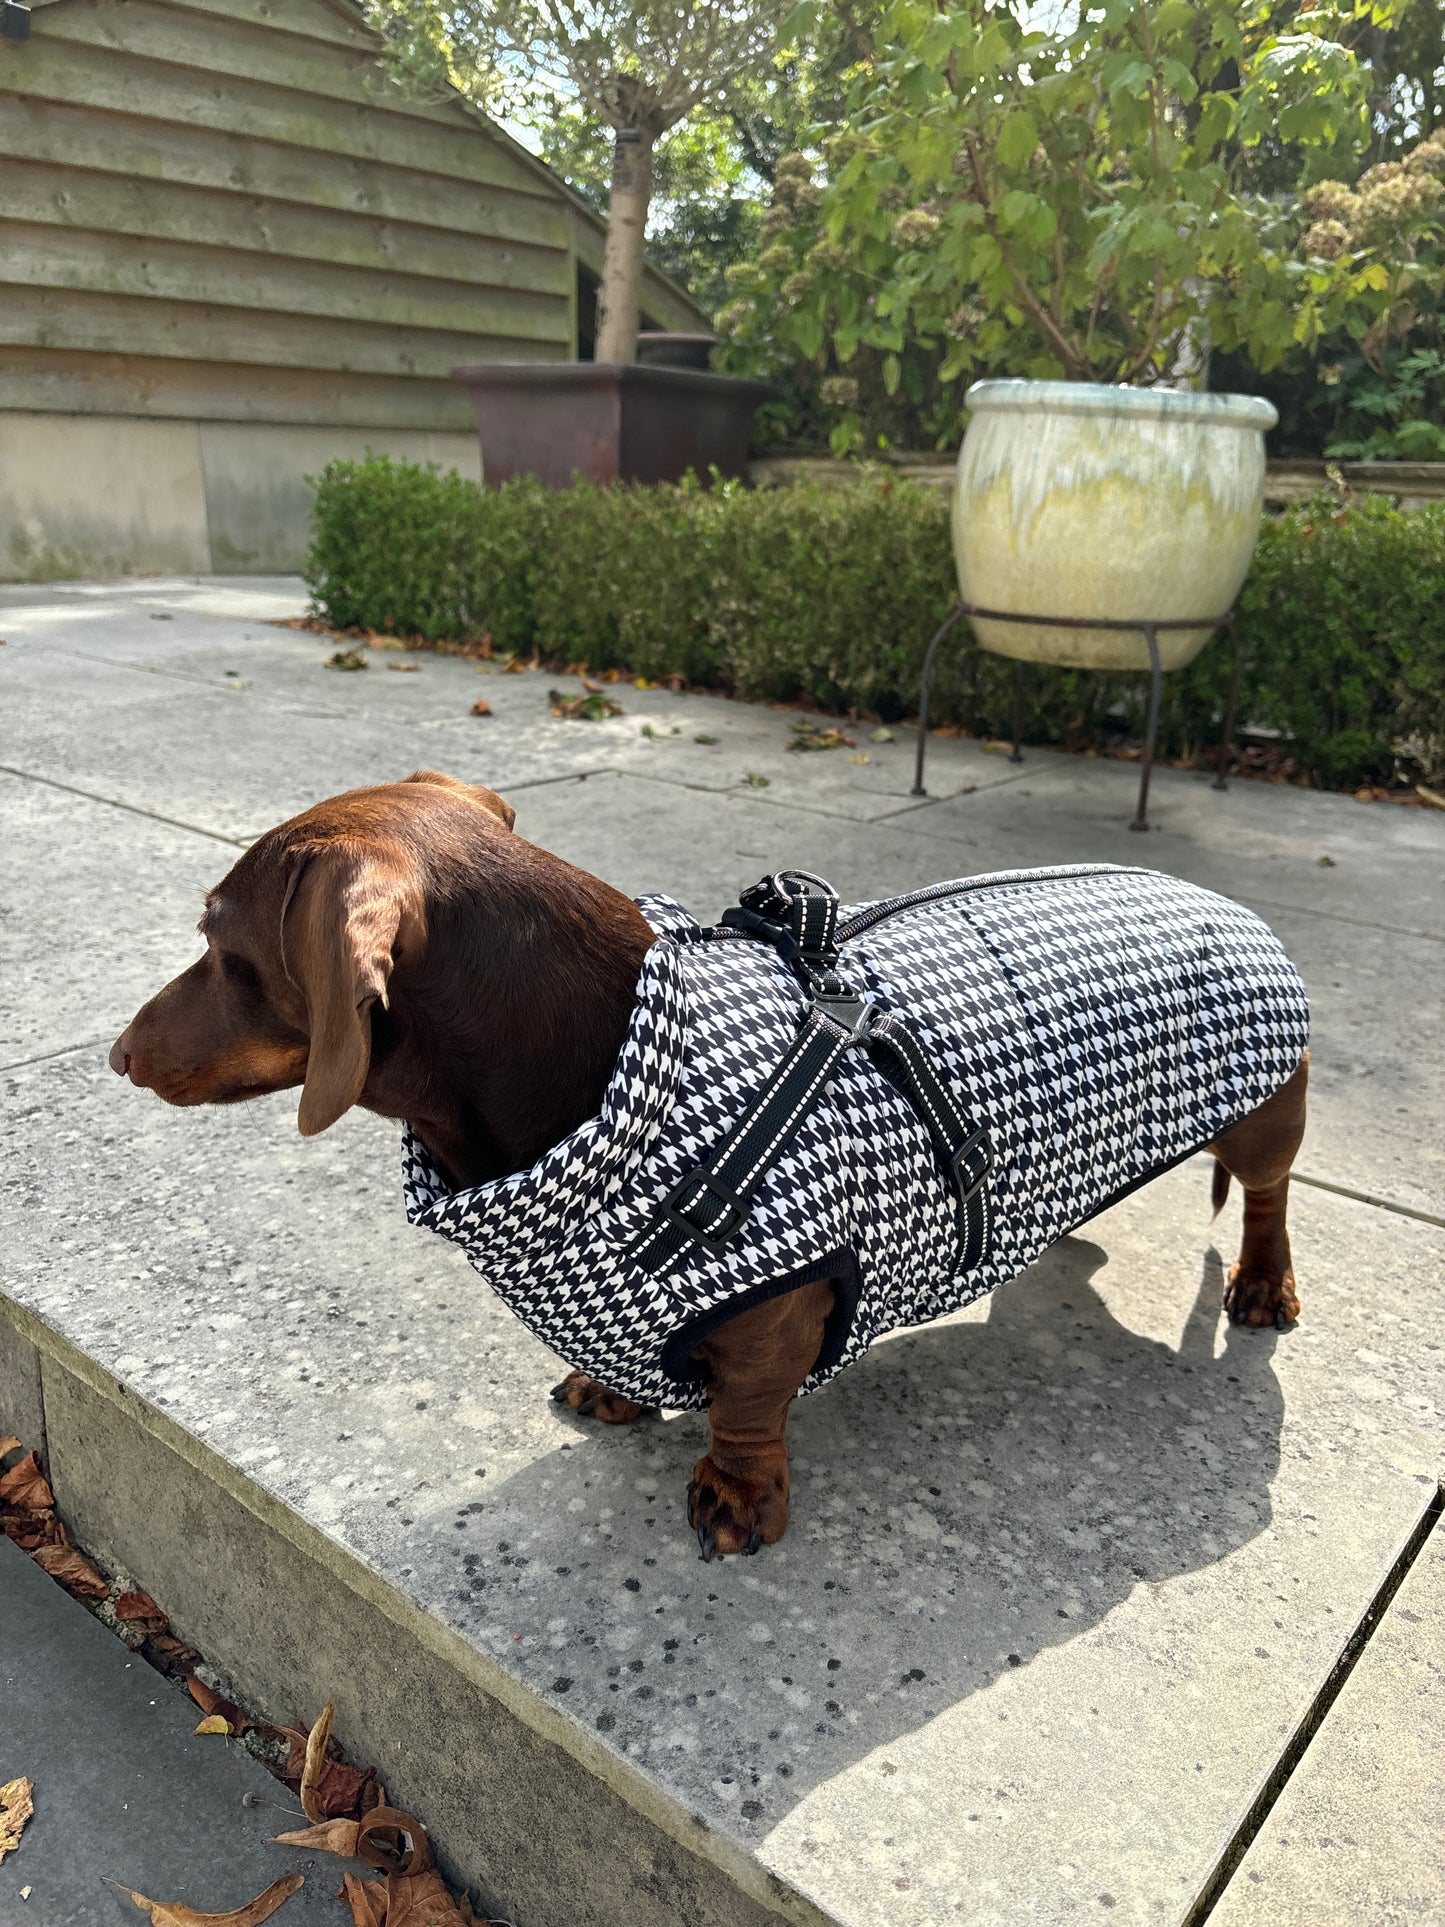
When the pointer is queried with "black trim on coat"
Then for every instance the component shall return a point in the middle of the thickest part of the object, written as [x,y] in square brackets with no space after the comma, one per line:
[840,1266]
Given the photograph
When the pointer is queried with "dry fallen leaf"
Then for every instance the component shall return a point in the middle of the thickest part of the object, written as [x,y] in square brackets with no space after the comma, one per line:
[481,707]
[72,1570]
[420,1900]
[213,1723]
[316,1759]
[216,1706]
[330,1836]
[346,659]
[366,1899]
[17,1803]
[341,1791]
[405,668]
[172,1914]
[32,1531]
[170,1656]
[138,1609]
[8,1445]
[24,1486]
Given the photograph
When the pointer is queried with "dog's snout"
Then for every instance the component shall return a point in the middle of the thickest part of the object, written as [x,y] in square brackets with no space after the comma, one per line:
[120,1055]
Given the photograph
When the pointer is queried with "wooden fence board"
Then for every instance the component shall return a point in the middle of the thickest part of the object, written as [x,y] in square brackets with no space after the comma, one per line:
[70,198]
[335,25]
[98,263]
[225,44]
[197,331]
[122,143]
[47,380]
[54,69]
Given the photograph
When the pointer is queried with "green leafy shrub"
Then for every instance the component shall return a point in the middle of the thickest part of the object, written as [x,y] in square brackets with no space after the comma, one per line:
[830,597]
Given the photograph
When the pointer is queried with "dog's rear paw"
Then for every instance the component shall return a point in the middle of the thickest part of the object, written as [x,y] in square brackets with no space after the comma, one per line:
[1260,1299]
[590,1399]
[738,1510]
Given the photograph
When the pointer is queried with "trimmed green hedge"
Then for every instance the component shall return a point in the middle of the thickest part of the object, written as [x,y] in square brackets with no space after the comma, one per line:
[830,597]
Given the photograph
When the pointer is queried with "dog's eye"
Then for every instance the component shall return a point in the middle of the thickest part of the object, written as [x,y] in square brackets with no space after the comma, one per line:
[240,972]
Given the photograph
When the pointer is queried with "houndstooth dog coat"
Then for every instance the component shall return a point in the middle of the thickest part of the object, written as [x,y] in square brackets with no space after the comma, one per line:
[1094,1024]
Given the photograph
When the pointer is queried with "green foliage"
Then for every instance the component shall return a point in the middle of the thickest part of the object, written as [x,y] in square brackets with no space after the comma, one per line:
[1081,202]
[830,597]
[712,173]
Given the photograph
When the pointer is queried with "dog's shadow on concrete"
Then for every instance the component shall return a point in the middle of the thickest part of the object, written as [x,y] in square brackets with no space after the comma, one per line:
[965,1497]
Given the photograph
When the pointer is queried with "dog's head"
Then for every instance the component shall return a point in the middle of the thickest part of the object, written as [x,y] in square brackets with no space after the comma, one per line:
[302,939]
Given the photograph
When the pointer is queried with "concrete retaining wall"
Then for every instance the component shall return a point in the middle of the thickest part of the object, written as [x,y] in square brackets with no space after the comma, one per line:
[95,495]
[516,1816]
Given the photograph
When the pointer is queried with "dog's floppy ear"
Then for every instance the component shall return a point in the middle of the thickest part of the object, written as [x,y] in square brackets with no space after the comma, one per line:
[344,907]
[478,792]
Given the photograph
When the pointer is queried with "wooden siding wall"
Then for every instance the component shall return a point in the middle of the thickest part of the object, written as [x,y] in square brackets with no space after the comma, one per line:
[216,209]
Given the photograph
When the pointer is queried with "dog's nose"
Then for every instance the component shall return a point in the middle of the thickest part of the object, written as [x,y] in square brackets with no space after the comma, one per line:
[119,1055]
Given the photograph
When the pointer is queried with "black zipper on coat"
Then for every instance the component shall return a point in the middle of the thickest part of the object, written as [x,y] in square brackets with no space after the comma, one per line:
[934,892]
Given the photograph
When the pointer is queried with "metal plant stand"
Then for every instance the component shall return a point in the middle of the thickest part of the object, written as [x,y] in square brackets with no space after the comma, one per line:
[1150,628]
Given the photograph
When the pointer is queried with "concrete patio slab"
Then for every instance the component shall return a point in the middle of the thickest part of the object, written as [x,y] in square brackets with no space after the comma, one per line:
[1078,1539]
[124,1790]
[101,910]
[1066,1573]
[1359,1832]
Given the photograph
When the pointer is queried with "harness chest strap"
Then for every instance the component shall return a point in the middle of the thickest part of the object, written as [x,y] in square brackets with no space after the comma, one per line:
[797,914]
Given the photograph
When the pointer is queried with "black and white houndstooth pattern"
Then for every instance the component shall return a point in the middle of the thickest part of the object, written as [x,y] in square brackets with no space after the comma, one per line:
[1100,1026]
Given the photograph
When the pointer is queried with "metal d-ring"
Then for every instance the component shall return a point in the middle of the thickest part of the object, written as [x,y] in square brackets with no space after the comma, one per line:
[1150,627]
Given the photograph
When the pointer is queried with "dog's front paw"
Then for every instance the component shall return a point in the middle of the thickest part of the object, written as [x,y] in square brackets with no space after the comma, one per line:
[1261,1299]
[741,1509]
[590,1399]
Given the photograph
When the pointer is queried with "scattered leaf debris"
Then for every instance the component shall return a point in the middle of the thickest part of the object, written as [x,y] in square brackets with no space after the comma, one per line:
[590,707]
[346,659]
[366,1899]
[315,1758]
[172,1914]
[213,1723]
[709,740]
[17,1804]
[882,735]
[334,1790]
[860,756]
[331,1836]
[481,707]
[25,1488]
[73,1571]
[756,781]
[405,668]
[138,1609]
[807,733]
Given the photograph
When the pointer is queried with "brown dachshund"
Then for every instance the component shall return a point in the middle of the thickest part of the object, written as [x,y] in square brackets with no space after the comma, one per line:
[399,948]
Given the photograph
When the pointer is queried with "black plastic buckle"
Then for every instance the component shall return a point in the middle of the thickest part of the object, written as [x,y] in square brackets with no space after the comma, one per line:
[703,1184]
[753,924]
[855,1015]
[971,1165]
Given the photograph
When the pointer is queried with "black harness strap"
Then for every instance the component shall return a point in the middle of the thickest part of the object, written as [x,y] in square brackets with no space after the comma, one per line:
[797,913]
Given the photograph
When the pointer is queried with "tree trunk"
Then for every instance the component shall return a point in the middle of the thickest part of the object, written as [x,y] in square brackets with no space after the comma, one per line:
[621,289]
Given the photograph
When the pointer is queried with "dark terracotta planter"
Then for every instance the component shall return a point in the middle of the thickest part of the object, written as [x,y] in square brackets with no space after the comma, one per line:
[608,421]
[659,349]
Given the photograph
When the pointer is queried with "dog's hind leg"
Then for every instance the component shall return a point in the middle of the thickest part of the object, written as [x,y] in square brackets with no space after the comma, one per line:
[1259,1151]
[590,1398]
[738,1498]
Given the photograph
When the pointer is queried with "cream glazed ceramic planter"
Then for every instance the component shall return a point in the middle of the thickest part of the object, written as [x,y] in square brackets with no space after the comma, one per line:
[1076,499]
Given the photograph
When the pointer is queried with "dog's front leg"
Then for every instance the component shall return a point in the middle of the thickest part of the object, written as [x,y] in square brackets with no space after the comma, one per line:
[1259,1152]
[738,1499]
